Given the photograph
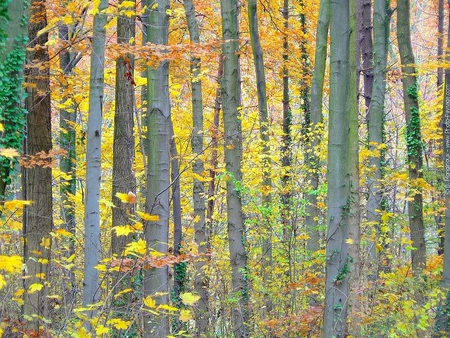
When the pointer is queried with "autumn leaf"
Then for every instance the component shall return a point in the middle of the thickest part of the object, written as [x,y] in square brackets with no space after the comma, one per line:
[189,298]
[150,302]
[16,204]
[167,307]
[123,230]
[119,324]
[349,241]
[148,217]
[11,264]
[185,315]
[2,282]
[100,329]
[137,247]
[35,287]
[127,198]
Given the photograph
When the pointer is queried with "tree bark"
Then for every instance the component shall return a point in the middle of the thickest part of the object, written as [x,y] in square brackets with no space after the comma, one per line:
[158,177]
[201,233]
[37,179]
[354,216]
[231,102]
[413,136]
[92,245]
[338,260]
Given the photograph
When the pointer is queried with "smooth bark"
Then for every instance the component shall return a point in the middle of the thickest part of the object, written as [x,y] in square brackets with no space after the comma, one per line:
[338,261]
[92,245]
[158,161]
[231,102]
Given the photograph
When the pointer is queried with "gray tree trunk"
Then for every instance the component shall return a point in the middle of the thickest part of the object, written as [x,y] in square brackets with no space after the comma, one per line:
[158,161]
[354,220]
[375,121]
[92,245]
[338,261]
[231,101]
[12,60]
[413,135]
[312,212]
[201,234]
[37,180]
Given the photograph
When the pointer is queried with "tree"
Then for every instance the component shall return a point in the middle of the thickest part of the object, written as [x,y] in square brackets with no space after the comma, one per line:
[201,234]
[92,245]
[37,179]
[338,261]
[413,136]
[231,105]
[14,24]
[158,177]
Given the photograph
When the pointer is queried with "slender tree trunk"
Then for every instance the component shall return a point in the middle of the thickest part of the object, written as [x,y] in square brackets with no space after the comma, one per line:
[258,60]
[92,245]
[443,316]
[201,234]
[375,120]
[365,46]
[231,96]
[37,180]
[413,136]
[124,180]
[67,141]
[123,176]
[286,149]
[338,261]
[180,269]
[158,178]
[440,78]
[354,220]
[12,59]
[312,212]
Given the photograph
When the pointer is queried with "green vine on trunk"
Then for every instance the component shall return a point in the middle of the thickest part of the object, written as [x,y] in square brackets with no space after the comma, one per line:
[413,133]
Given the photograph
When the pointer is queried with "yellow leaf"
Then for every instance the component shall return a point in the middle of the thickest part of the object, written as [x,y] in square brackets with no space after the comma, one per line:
[2,128]
[123,230]
[127,198]
[148,217]
[11,264]
[167,307]
[35,287]
[106,203]
[119,324]
[150,302]
[16,204]
[126,4]
[123,292]
[100,329]
[63,232]
[189,298]
[137,247]
[101,267]
[19,292]
[185,315]
[349,241]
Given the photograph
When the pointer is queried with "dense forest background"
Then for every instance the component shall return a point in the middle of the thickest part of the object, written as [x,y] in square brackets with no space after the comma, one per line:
[263,168]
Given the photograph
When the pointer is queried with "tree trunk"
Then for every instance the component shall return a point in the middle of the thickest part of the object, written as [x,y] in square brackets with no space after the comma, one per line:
[158,178]
[375,120]
[413,136]
[338,261]
[37,180]
[201,234]
[286,148]
[354,220]
[266,229]
[12,59]
[312,212]
[92,245]
[231,101]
